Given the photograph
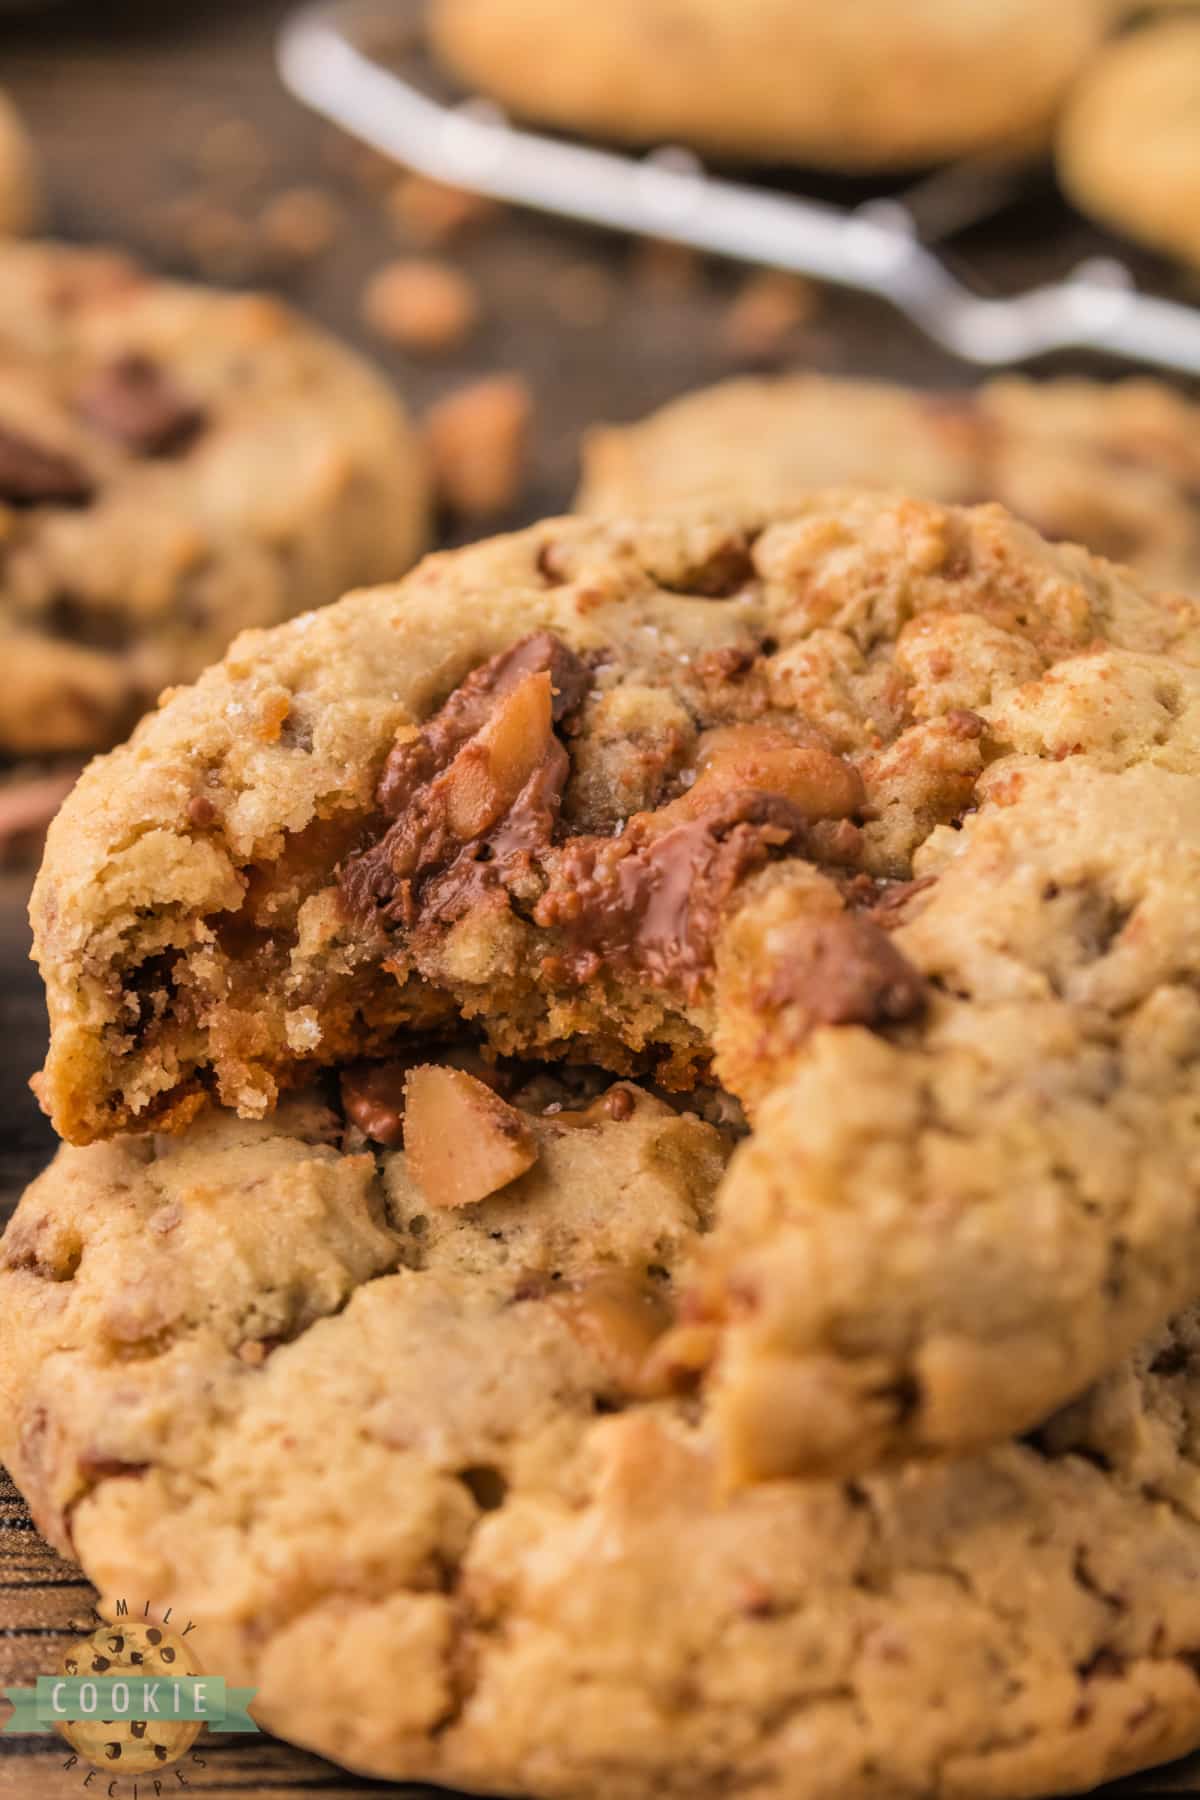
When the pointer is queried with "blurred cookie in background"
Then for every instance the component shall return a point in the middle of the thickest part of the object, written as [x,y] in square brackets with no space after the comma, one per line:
[867,86]
[1114,466]
[175,464]
[1128,144]
[20,177]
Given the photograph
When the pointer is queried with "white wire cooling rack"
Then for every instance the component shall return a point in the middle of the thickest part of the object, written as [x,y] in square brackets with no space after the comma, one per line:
[331,58]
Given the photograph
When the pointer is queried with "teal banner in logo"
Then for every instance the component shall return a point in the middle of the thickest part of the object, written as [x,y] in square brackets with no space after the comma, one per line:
[62,1699]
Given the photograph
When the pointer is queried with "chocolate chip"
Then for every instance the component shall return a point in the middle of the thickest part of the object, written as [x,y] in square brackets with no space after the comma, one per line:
[845,970]
[95,1466]
[439,858]
[964,724]
[373,1098]
[31,475]
[722,571]
[652,898]
[136,402]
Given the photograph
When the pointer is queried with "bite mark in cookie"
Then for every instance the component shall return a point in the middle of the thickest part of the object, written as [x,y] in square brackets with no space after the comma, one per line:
[882,813]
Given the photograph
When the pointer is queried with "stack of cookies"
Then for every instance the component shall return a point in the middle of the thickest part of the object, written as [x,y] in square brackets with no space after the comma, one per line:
[632,1116]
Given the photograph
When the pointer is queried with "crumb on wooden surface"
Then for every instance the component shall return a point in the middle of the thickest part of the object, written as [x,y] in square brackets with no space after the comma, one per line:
[478,439]
[300,223]
[431,213]
[420,304]
[768,307]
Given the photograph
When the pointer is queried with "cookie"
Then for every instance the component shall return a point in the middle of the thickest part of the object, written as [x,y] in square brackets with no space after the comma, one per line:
[886,814]
[175,464]
[390,1462]
[869,86]
[1128,143]
[1112,465]
[20,178]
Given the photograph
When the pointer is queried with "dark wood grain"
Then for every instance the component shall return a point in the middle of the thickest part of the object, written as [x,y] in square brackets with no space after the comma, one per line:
[119,97]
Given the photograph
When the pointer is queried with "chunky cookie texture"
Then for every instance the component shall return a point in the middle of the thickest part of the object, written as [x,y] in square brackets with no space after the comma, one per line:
[415,1473]
[882,815]
[1113,465]
[175,464]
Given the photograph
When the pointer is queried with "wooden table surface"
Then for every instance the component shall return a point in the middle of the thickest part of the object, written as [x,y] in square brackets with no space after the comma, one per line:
[123,99]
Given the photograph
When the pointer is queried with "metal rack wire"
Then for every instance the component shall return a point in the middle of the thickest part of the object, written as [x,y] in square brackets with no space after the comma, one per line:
[331,58]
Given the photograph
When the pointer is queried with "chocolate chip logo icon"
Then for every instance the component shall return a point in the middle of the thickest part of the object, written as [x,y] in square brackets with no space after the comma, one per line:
[147,1658]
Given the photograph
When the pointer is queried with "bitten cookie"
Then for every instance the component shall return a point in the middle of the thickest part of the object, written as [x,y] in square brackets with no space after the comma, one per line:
[175,464]
[1128,146]
[885,814]
[407,1470]
[866,86]
[1113,465]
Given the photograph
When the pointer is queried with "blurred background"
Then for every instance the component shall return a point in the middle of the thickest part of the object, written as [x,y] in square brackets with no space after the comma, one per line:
[165,131]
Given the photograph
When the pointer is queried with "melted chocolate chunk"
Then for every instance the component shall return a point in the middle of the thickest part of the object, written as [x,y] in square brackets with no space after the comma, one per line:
[883,900]
[136,402]
[472,704]
[31,475]
[476,795]
[373,1098]
[845,970]
[651,899]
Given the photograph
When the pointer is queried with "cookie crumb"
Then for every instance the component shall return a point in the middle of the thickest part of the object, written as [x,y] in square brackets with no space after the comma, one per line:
[233,150]
[302,1028]
[420,304]
[477,439]
[300,224]
[767,309]
[432,213]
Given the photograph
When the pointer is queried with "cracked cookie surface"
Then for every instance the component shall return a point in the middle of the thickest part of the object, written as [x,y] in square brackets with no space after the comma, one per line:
[869,87]
[1112,465]
[883,814]
[175,464]
[389,1457]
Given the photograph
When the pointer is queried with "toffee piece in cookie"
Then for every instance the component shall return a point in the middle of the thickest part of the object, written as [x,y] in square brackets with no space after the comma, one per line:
[175,464]
[413,1473]
[884,814]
